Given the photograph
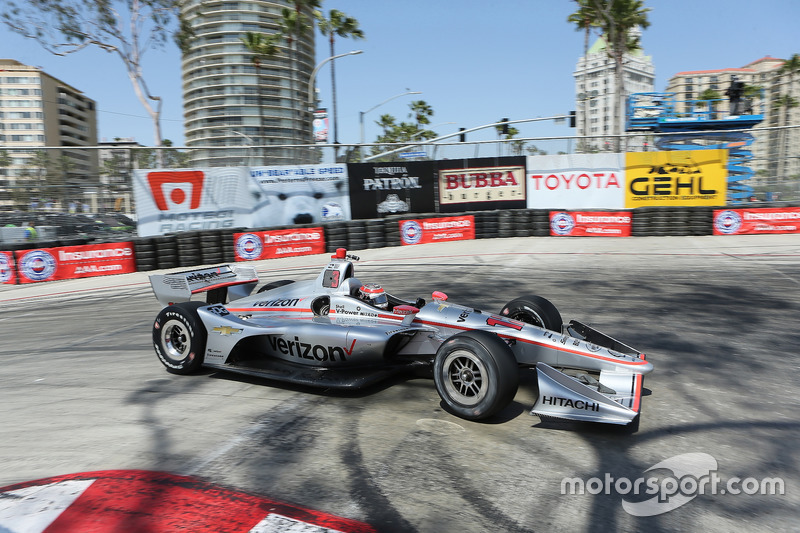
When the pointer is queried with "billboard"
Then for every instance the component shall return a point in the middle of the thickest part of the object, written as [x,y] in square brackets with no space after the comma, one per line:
[576,181]
[320,126]
[381,189]
[590,223]
[676,178]
[430,230]
[749,221]
[71,262]
[481,184]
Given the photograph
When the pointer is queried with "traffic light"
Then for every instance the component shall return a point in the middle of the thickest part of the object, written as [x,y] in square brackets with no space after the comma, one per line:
[504,131]
[462,138]
[572,119]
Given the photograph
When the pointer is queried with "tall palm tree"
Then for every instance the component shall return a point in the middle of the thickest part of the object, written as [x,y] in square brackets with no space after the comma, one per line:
[261,46]
[337,25]
[616,19]
[790,68]
[585,18]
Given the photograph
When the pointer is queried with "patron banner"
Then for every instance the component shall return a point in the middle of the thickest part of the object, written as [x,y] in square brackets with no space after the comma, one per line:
[278,243]
[676,178]
[378,190]
[590,224]
[429,230]
[70,262]
[751,221]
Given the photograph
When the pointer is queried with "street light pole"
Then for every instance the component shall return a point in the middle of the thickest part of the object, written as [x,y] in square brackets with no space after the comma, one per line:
[314,75]
[362,113]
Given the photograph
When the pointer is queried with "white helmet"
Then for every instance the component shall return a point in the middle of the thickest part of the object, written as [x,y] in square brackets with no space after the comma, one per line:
[373,294]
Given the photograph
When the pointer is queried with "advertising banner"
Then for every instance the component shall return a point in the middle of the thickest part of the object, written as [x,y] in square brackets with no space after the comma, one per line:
[576,181]
[380,189]
[172,201]
[71,262]
[481,184]
[590,223]
[278,243]
[429,230]
[676,178]
[299,194]
[756,221]
[320,126]
[7,272]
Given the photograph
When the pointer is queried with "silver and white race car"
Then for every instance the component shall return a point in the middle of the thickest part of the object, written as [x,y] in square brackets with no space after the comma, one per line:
[337,332]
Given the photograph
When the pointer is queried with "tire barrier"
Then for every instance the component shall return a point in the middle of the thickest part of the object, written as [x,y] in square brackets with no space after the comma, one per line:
[209,247]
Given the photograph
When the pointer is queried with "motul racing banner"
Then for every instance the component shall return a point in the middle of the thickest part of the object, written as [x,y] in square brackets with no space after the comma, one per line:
[7,272]
[590,223]
[71,262]
[756,221]
[278,243]
[481,184]
[429,230]
[576,181]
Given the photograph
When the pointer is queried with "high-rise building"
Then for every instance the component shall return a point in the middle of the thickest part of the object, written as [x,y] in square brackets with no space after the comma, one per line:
[38,110]
[595,90]
[228,101]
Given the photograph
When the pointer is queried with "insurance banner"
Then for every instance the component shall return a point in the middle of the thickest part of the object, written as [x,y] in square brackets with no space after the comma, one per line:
[7,271]
[381,189]
[278,243]
[676,178]
[590,223]
[481,184]
[430,230]
[752,221]
[71,262]
[576,181]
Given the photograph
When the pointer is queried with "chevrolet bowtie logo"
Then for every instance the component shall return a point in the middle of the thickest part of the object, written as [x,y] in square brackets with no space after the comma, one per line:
[226,330]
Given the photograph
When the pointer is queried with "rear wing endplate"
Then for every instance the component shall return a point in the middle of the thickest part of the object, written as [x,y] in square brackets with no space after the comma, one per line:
[219,282]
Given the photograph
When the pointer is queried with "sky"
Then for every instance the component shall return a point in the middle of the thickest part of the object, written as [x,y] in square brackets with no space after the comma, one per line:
[474,61]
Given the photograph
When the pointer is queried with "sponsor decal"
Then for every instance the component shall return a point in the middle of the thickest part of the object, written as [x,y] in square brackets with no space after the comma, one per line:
[463,316]
[219,310]
[392,204]
[279,243]
[341,310]
[304,350]
[176,189]
[494,184]
[69,262]
[226,330]
[430,230]
[576,181]
[38,265]
[332,212]
[591,224]
[572,404]
[690,177]
[757,221]
[7,268]
[287,302]
[491,321]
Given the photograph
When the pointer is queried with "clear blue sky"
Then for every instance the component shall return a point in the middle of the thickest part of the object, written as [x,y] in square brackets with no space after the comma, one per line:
[475,61]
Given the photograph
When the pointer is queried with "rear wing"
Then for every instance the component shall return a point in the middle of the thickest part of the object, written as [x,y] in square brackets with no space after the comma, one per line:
[219,282]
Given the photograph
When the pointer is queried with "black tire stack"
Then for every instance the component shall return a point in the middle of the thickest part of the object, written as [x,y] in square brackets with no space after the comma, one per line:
[391,230]
[356,235]
[211,247]
[700,220]
[376,233]
[145,254]
[540,222]
[166,251]
[188,244]
[486,224]
[506,223]
[335,236]
[641,225]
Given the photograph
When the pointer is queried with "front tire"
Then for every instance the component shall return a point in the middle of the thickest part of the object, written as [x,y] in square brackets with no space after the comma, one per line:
[534,310]
[476,374]
[179,338]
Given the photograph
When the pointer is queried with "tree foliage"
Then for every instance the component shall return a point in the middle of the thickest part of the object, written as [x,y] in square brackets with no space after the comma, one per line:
[405,131]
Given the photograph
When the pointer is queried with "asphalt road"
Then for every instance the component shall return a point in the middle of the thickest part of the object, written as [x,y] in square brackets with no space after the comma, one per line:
[81,390]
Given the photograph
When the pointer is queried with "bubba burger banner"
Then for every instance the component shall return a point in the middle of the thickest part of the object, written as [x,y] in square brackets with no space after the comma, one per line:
[483,183]
[590,224]
[71,262]
[7,273]
[278,243]
[756,221]
[429,230]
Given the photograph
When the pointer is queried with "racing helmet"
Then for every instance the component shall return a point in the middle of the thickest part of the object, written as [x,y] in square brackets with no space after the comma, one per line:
[373,294]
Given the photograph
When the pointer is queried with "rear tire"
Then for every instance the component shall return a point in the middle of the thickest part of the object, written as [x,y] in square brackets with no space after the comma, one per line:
[476,374]
[179,338]
[534,310]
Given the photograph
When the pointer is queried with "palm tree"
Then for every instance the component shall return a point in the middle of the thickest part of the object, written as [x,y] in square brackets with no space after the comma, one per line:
[337,25]
[616,19]
[261,46]
[790,68]
[584,19]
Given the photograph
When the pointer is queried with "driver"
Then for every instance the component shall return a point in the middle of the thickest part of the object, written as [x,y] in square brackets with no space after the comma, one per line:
[373,294]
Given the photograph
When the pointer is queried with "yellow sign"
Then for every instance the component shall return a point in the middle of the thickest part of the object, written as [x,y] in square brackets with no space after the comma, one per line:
[676,178]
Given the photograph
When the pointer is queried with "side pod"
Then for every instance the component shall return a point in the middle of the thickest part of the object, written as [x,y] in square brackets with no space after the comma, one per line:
[562,396]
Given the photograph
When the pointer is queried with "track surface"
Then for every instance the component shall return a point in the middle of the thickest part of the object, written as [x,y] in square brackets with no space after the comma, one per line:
[81,390]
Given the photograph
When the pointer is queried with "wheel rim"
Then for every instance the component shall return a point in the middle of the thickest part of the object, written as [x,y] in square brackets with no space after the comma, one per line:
[529,316]
[176,340]
[466,378]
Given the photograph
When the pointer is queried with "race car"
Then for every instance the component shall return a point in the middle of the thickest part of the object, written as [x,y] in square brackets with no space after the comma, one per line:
[337,332]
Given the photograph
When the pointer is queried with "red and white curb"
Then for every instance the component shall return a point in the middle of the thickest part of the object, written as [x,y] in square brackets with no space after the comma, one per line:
[139,500]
